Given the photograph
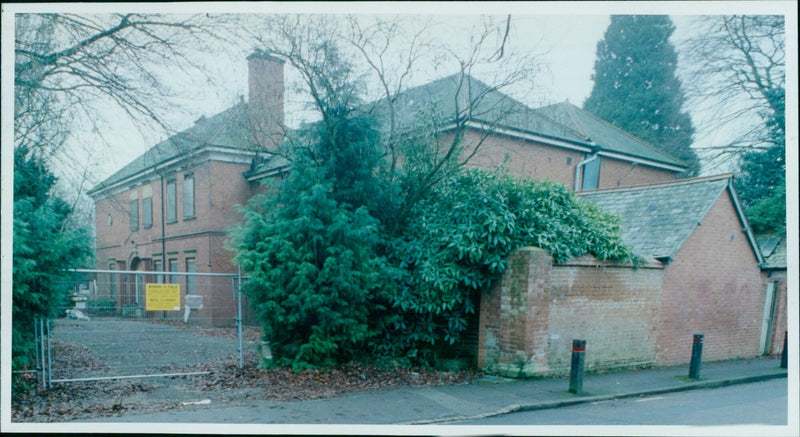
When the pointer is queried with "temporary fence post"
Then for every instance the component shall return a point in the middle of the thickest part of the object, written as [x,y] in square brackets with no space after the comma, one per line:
[239,315]
[785,355]
[43,368]
[576,369]
[697,354]
[136,279]
[49,358]
[36,343]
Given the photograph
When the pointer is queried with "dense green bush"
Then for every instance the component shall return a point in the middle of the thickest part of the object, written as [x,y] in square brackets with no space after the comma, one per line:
[314,276]
[44,245]
[312,251]
[457,242]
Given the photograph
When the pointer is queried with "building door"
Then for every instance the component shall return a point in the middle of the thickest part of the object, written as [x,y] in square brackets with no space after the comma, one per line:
[764,345]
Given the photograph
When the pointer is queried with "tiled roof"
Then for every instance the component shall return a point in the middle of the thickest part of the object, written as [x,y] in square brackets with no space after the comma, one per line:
[564,121]
[266,165]
[773,249]
[439,100]
[604,134]
[226,129]
[658,219]
[443,99]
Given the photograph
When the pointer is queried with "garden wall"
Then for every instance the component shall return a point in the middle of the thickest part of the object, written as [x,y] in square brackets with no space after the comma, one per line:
[529,319]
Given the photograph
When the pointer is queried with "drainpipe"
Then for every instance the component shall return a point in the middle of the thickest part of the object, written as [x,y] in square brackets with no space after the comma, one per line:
[163,233]
[578,169]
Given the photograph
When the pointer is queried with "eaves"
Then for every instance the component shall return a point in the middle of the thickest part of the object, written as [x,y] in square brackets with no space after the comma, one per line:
[581,146]
[172,165]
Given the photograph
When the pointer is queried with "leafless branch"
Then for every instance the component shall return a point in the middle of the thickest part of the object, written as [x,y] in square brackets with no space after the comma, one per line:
[736,70]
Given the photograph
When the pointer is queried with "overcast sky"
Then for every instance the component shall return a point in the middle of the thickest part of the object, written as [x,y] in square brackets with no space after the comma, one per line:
[564,33]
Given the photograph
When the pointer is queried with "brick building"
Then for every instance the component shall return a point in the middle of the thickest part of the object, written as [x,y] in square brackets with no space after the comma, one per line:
[170,207]
[713,280]
[706,275]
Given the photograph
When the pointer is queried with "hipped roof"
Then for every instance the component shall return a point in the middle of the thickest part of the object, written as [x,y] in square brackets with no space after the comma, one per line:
[467,97]
[444,97]
[227,129]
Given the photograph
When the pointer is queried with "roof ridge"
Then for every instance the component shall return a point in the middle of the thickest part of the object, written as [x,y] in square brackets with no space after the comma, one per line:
[429,84]
[571,111]
[676,182]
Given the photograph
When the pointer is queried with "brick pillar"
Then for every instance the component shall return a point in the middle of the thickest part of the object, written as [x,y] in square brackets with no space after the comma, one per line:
[513,325]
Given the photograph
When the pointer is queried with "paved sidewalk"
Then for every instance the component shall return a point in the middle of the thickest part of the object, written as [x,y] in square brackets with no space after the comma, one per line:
[487,397]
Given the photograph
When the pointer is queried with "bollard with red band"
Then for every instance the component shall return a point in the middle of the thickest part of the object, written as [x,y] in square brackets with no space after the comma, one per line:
[576,370]
[697,355]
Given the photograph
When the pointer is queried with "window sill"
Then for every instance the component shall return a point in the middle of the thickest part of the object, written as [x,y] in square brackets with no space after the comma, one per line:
[189,218]
[169,222]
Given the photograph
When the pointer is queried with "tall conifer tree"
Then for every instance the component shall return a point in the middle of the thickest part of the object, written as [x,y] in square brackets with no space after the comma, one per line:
[636,88]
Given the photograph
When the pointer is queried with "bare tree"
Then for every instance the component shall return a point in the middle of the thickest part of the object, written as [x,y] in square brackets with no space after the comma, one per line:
[70,61]
[736,69]
[381,57]
[70,69]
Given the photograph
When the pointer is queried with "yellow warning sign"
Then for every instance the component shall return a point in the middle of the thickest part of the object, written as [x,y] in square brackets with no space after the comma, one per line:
[163,297]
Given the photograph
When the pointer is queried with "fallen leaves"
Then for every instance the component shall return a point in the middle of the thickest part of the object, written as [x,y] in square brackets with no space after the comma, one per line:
[286,385]
[226,384]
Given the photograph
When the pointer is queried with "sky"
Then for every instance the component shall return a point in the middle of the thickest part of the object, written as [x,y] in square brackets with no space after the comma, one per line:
[567,54]
[563,34]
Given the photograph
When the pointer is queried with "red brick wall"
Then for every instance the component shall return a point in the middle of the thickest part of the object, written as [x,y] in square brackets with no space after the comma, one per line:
[617,173]
[613,308]
[219,186]
[780,323]
[524,158]
[539,161]
[712,287]
[529,319]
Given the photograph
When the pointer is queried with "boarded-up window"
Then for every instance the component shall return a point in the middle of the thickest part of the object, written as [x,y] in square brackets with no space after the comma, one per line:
[172,201]
[188,196]
[147,206]
[191,281]
[173,267]
[133,211]
[591,175]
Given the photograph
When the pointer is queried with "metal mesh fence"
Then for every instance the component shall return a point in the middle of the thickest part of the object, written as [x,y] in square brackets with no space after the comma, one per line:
[129,324]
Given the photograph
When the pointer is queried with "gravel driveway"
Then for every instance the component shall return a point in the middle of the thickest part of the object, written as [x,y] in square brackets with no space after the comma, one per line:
[135,347]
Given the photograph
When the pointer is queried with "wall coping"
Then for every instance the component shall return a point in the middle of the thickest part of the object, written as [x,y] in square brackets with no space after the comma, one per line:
[591,261]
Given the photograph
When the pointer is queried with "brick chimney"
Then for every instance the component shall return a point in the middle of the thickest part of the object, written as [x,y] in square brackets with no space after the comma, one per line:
[265,100]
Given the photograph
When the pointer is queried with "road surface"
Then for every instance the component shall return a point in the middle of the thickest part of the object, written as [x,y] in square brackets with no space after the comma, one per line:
[755,403]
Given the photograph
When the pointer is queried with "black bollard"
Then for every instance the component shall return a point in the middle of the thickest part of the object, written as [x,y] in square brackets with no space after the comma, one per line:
[576,370]
[697,354]
[784,355]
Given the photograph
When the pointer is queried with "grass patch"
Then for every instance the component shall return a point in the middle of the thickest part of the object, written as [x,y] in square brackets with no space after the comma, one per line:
[687,379]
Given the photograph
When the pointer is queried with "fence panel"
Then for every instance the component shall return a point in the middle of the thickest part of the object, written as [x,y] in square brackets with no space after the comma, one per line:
[134,324]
